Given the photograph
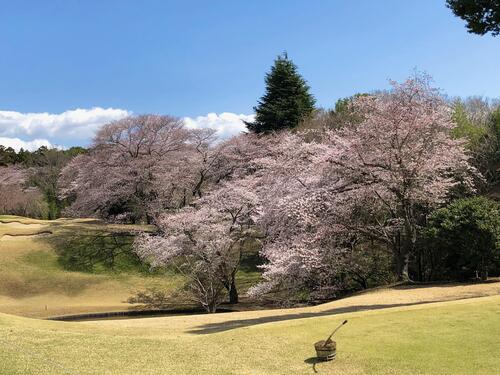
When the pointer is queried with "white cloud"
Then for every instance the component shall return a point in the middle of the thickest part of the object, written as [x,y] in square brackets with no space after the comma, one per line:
[17,143]
[227,124]
[76,126]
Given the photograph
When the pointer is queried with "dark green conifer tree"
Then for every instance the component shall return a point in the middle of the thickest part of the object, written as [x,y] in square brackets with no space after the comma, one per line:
[286,101]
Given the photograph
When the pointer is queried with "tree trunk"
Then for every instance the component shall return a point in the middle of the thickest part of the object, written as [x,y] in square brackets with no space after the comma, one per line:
[402,264]
[484,270]
[212,308]
[233,293]
[484,275]
[363,283]
[406,247]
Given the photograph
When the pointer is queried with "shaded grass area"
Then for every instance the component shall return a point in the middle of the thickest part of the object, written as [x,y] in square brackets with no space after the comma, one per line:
[79,267]
[97,251]
[249,273]
[458,337]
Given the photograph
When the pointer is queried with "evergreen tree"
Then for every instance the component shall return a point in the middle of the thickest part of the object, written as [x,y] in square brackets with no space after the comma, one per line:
[287,100]
[482,16]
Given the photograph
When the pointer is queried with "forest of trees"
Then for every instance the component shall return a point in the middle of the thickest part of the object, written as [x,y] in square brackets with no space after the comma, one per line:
[29,181]
[395,185]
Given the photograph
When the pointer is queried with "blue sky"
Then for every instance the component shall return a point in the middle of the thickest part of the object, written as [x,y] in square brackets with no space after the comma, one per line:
[192,58]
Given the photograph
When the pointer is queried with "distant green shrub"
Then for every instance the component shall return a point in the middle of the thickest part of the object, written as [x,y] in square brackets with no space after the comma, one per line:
[464,239]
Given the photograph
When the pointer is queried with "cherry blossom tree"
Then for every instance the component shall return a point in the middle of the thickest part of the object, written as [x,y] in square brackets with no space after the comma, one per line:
[133,162]
[399,163]
[141,167]
[205,242]
[321,201]
[372,180]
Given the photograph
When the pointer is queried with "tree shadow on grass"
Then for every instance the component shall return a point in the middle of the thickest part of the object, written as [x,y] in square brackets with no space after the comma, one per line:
[226,326]
[442,284]
[92,251]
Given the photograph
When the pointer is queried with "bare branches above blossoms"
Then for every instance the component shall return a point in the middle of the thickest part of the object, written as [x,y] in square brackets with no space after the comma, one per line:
[145,135]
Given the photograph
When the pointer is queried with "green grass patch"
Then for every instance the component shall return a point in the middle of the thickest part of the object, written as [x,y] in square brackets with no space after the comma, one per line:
[42,259]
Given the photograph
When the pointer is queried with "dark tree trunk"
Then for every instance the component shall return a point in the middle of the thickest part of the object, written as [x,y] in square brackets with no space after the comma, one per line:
[420,276]
[233,293]
[362,281]
[484,270]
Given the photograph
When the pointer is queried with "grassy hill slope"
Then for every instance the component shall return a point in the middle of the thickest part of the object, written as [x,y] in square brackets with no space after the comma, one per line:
[72,266]
[34,282]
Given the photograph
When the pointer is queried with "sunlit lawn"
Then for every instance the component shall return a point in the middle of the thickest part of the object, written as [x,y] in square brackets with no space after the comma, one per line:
[458,337]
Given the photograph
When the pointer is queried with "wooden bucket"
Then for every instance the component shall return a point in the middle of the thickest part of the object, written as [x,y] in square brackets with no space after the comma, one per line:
[326,352]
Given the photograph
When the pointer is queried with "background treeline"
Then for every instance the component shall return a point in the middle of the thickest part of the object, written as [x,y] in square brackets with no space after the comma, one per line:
[29,181]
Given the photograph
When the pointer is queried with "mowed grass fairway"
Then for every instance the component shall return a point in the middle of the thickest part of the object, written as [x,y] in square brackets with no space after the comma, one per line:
[455,337]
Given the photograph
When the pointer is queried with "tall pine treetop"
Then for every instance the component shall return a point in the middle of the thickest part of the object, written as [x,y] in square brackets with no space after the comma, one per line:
[287,99]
